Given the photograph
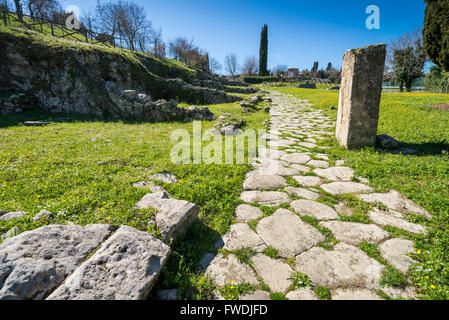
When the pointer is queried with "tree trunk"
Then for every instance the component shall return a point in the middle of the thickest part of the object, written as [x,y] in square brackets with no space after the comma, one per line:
[19,10]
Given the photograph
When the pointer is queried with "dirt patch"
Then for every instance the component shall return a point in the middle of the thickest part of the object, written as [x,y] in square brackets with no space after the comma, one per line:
[441,106]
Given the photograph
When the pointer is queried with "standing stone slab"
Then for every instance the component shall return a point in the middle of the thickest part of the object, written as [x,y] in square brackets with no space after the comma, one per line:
[361,87]
[125,268]
[35,262]
[173,216]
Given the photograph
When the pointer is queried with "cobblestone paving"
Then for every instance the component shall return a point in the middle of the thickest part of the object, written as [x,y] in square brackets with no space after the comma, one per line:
[291,181]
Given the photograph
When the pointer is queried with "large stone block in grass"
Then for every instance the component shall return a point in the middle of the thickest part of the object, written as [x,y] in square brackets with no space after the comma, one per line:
[173,216]
[125,268]
[361,88]
[35,262]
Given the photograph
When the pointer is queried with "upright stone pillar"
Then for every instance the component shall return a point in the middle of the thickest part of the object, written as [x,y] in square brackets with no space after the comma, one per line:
[361,88]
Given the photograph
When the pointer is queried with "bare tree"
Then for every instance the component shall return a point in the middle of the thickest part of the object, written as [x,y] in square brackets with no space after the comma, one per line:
[107,17]
[214,66]
[181,49]
[157,42]
[43,8]
[134,25]
[19,9]
[231,64]
[250,66]
[126,19]
[280,70]
[407,40]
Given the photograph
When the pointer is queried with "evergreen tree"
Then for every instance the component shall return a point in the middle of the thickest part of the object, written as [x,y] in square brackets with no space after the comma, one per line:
[436,32]
[408,64]
[314,71]
[263,59]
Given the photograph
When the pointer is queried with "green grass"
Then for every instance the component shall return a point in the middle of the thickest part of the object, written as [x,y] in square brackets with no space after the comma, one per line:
[59,168]
[423,178]
[323,293]
[271,252]
[277,296]
[301,280]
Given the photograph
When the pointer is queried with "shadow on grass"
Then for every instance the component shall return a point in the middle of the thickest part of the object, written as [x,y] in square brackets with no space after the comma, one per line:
[424,149]
[17,119]
[183,264]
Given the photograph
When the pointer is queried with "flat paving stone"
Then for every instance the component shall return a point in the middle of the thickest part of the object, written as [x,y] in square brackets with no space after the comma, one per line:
[225,270]
[298,158]
[247,213]
[395,201]
[303,193]
[345,266]
[314,209]
[307,145]
[240,237]
[395,219]
[256,296]
[336,173]
[354,294]
[286,232]
[344,209]
[339,188]
[300,168]
[276,169]
[318,163]
[398,293]
[302,294]
[126,267]
[355,233]
[265,198]
[257,181]
[395,252]
[308,181]
[276,274]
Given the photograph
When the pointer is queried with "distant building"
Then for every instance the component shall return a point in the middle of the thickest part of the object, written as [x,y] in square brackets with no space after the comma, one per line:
[293,73]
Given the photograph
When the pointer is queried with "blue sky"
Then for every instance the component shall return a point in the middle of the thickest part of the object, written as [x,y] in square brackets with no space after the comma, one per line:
[300,32]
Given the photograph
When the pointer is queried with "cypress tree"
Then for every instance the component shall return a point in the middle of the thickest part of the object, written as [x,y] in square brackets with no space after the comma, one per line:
[263,58]
[436,32]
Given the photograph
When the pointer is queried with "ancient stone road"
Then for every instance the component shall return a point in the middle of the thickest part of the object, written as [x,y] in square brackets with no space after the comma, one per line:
[346,270]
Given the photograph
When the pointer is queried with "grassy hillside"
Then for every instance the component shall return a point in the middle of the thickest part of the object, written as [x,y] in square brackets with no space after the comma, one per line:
[424,178]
